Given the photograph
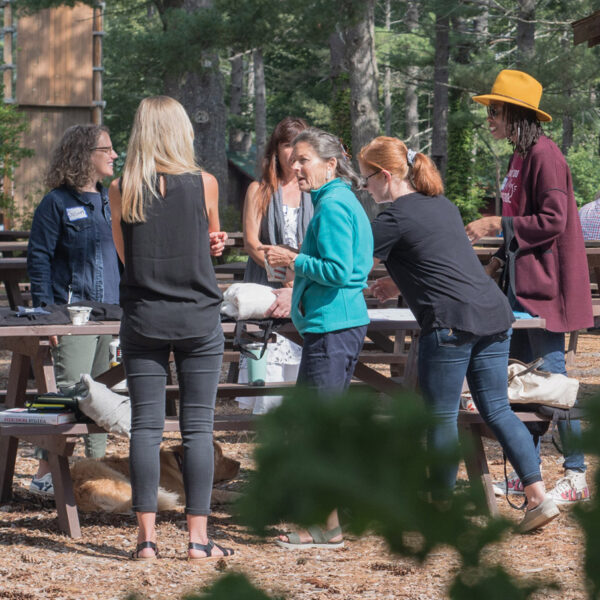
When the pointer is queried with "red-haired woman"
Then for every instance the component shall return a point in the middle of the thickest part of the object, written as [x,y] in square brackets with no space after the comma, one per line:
[276,212]
[464,317]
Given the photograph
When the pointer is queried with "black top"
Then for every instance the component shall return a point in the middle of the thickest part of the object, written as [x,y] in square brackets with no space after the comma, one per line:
[422,241]
[168,288]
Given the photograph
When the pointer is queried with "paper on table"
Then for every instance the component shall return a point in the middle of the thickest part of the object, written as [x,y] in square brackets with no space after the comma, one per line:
[390,314]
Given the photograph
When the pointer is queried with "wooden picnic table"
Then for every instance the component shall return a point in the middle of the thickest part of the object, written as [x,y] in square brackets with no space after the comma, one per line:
[13,270]
[29,345]
[8,248]
[7,235]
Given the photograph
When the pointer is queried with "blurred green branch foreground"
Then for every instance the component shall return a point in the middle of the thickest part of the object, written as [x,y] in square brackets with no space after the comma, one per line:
[368,459]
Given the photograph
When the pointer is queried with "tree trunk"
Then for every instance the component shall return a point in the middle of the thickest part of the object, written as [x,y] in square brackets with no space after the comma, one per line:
[239,140]
[201,93]
[260,107]
[364,115]
[410,97]
[387,78]
[439,136]
[525,33]
[360,58]
[340,88]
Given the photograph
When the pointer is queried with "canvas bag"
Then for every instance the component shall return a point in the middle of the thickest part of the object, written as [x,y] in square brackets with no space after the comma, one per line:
[528,385]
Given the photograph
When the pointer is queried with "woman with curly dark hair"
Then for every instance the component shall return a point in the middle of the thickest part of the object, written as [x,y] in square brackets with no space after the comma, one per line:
[71,256]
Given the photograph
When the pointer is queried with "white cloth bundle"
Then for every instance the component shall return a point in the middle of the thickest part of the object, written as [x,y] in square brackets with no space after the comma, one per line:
[107,409]
[247,301]
[527,385]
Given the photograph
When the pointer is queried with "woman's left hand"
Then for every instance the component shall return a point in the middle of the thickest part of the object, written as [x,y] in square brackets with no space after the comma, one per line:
[277,256]
[217,242]
[282,306]
[486,226]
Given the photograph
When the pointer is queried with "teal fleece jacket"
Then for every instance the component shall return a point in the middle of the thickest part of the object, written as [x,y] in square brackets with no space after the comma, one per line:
[334,262]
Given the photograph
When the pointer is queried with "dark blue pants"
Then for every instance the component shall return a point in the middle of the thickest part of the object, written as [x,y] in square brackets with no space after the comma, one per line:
[198,362]
[445,357]
[328,359]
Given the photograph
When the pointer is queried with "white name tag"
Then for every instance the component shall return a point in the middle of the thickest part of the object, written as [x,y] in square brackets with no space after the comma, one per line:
[76,212]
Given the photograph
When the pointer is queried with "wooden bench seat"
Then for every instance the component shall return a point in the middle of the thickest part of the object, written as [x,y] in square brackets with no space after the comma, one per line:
[473,426]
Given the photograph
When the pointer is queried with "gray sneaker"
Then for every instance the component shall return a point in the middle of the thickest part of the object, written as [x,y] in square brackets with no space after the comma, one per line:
[539,516]
[42,486]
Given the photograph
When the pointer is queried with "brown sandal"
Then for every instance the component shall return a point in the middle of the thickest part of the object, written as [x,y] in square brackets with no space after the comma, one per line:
[135,555]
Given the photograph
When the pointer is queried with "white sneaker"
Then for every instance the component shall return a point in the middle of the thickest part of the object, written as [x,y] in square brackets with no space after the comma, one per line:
[539,516]
[42,486]
[514,486]
[570,489]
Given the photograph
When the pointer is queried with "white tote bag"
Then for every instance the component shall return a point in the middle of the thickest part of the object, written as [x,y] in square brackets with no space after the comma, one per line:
[527,385]
[247,301]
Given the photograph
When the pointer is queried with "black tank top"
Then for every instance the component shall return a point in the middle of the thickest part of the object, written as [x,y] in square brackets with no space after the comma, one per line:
[168,287]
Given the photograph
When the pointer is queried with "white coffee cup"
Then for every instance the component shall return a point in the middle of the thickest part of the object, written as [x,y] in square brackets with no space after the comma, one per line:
[80,315]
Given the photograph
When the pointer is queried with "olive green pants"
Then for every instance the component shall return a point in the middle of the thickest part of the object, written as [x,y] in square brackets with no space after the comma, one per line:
[75,355]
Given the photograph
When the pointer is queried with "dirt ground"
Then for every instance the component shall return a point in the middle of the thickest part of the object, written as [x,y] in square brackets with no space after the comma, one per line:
[37,561]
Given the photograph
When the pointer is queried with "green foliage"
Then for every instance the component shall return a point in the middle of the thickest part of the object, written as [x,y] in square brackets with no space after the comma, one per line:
[12,125]
[491,584]
[231,586]
[352,452]
[461,186]
[588,514]
[584,163]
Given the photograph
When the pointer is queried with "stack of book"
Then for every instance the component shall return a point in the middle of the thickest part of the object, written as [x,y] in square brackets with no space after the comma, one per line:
[39,416]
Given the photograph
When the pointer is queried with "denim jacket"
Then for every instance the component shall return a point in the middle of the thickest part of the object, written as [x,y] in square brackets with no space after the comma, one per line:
[64,253]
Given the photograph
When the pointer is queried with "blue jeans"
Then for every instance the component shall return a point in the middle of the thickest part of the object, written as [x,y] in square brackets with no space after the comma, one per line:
[446,356]
[146,362]
[328,359]
[528,345]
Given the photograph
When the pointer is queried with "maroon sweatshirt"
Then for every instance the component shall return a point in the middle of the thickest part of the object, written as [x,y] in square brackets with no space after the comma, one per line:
[551,277]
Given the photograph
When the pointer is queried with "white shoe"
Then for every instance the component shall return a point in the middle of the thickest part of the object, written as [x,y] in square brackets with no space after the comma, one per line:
[540,515]
[570,489]
[42,486]
[514,486]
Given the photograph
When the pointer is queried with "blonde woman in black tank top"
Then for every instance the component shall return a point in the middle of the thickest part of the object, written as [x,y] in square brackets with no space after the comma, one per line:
[166,227]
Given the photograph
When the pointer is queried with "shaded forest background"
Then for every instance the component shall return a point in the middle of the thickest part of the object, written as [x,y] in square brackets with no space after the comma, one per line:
[358,68]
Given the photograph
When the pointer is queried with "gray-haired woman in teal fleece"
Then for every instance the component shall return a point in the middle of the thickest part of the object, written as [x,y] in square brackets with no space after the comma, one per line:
[327,305]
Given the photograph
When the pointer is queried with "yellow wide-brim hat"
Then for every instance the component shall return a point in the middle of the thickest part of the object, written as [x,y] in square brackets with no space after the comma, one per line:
[516,87]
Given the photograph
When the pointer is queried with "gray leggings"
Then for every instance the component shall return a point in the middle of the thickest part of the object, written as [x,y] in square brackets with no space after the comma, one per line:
[198,362]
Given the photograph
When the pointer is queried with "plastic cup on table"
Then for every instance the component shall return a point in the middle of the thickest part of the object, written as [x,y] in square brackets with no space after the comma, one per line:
[80,315]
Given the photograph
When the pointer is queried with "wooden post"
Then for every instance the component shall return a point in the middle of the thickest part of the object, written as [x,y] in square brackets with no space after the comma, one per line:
[8,67]
[98,69]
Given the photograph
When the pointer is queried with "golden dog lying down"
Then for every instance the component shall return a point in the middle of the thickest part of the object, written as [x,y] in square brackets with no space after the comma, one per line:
[103,485]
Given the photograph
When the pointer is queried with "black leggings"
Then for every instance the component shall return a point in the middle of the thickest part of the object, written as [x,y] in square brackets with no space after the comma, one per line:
[198,362]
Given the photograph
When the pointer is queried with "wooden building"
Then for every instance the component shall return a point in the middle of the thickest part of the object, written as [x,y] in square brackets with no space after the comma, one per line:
[58,84]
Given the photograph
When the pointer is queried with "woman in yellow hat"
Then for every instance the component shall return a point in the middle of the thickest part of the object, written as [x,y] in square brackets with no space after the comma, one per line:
[543,261]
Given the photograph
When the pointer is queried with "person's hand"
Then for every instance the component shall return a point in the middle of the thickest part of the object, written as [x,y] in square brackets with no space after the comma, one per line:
[486,226]
[283,304]
[53,339]
[383,289]
[492,267]
[217,242]
[277,256]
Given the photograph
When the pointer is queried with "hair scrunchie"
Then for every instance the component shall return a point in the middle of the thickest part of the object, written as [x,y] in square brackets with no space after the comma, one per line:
[410,156]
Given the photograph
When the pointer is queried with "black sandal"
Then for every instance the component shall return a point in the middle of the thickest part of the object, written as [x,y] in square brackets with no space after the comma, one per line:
[141,546]
[207,549]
